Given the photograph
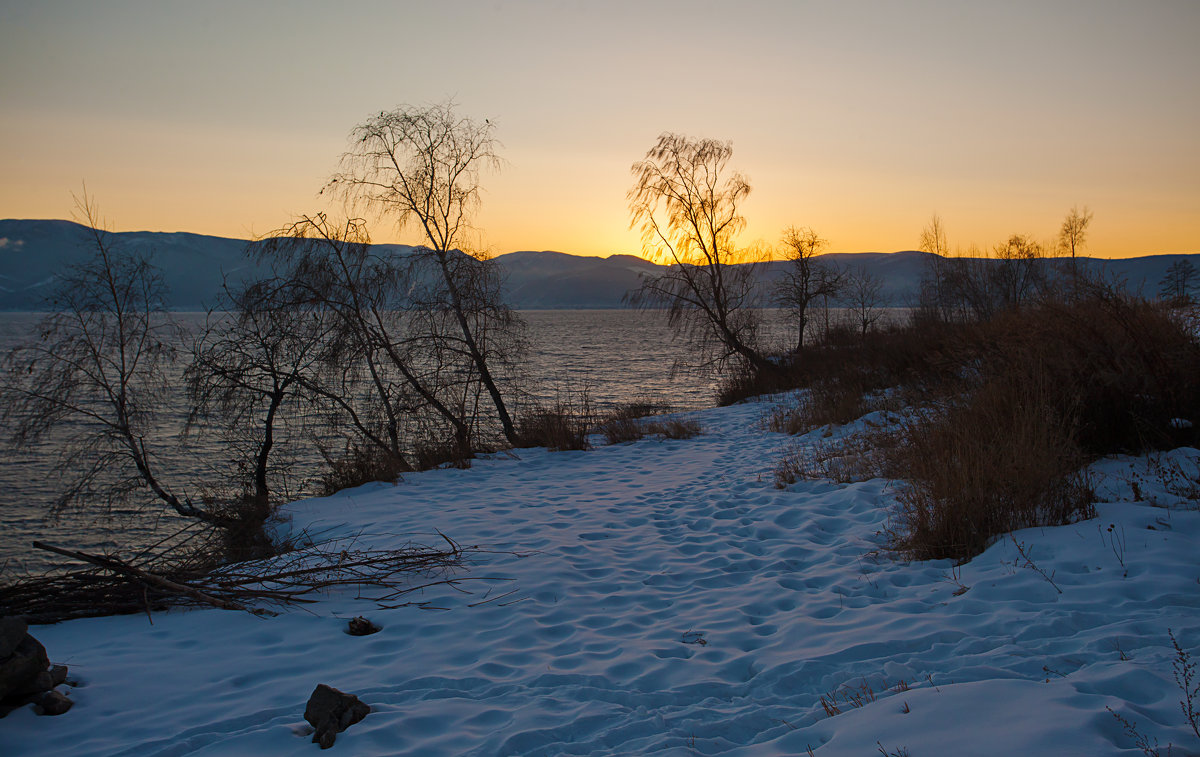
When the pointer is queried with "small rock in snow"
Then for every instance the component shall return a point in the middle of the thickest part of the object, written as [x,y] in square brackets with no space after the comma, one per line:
[331,711]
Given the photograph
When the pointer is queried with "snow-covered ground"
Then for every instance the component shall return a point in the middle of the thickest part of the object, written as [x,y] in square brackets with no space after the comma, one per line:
[672,601]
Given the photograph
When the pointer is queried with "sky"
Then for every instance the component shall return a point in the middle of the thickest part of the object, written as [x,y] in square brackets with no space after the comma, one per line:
[857,119]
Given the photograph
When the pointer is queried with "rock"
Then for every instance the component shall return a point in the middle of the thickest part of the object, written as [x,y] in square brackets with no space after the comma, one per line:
[41,682]
[331,711]
[360,626]
[12,630]
[21,671]
[58,675]
[54,703]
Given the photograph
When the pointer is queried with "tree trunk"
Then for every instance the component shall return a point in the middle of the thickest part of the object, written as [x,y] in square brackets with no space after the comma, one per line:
[485,375]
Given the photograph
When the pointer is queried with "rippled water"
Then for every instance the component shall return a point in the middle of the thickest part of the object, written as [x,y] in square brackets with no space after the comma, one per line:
[619,355]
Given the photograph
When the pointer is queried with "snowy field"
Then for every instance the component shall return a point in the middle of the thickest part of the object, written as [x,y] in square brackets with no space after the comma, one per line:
[669,600]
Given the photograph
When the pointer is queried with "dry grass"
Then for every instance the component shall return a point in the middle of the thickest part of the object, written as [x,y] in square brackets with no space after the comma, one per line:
[561,425]
[429,455]
[556,427]
[627,423]
[1002,459]
[623,423]
[826,403]
[618,430]
[674,429]
[359,464]
[859,457]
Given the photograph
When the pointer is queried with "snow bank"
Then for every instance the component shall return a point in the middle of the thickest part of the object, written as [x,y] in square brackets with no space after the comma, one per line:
[669,600]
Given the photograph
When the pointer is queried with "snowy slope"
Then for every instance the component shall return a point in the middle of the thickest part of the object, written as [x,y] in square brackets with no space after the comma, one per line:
[671,602]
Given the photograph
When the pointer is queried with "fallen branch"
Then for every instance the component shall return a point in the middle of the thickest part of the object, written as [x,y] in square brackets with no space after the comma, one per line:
[114,586]
[117,566]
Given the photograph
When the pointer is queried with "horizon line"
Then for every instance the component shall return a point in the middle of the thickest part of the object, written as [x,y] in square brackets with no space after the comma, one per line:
[600,257]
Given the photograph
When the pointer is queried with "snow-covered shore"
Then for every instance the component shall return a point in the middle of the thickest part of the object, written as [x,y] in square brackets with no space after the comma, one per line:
[669,600]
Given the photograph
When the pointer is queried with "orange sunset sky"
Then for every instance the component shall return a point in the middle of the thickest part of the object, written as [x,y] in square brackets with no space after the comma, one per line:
[859,119]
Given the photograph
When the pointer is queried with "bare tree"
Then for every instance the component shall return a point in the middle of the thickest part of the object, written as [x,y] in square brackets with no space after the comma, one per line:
[1019,272]
[685,200]
[1177,285]
[805,279]
[933,238]
[255,356]
[936,296]
[98,374]
[1073,234]
[382,373]
[421,165]
[863,297]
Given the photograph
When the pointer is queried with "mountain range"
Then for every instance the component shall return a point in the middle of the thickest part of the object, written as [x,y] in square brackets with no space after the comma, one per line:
[34,252]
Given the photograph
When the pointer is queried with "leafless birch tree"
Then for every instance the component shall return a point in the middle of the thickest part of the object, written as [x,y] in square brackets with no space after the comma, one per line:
[685,200]
[805,279]
[421,166]
[253,365]
[97,373]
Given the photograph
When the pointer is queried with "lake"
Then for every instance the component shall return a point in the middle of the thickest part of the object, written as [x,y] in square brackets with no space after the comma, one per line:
[618,355]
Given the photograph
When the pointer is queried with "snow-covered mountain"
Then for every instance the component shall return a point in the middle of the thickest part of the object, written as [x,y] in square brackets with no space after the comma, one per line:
[34,252]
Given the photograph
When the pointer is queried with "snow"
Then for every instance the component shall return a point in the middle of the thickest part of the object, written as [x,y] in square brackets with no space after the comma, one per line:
[669,600]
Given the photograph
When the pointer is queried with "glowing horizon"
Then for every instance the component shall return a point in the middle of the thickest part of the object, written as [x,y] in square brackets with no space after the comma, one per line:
[858,120]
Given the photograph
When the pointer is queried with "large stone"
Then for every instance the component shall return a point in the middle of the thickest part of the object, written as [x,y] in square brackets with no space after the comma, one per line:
[12,630]
[54,703]
[21,673]
[331,711]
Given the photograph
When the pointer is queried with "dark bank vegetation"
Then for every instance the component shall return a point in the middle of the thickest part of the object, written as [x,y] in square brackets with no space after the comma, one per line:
[1014,376]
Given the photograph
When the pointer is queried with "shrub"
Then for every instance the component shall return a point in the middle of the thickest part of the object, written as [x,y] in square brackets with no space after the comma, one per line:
[621,424]
[1126,366]
[675,429]
[746,383]
[618,430]
[433,454]
[563,425]
[922,353]
[359,464]
[852,458]
[1025,398]
[826,402]
[1001,459]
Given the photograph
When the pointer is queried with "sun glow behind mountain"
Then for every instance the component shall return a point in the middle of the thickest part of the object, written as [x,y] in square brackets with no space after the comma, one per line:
[858,120]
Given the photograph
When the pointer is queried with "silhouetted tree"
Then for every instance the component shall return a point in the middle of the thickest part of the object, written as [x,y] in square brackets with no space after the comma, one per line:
[98,375]
[421,165]
[382,377]
[685,200]
[805,279]
[255,359]
[1019,272]
[936,297]
[862,294]
[1073,234]
[1180,280]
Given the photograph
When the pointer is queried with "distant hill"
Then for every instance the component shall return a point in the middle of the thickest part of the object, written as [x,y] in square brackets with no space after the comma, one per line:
[33,253]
